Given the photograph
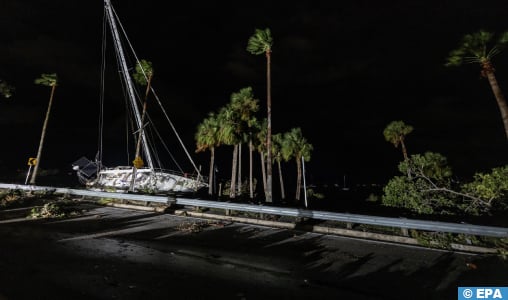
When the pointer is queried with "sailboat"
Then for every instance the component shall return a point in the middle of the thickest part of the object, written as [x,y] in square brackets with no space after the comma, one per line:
[138,177]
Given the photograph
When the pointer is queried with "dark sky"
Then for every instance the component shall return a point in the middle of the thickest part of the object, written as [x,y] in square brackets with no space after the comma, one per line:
[341,71]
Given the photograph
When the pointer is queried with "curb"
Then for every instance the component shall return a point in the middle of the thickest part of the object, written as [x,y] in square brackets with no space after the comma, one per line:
[137,207]
[334,231]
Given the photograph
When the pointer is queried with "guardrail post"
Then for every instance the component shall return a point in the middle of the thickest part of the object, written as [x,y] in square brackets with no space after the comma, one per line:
[171,200]
[404,231]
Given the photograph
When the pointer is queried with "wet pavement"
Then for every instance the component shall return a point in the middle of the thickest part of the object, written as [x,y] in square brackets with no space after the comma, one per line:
[115,253]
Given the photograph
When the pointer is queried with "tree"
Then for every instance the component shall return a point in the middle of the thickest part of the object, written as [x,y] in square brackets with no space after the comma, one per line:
[244,106]
[207,138]
[52,81]
[480,47]
[143,76]
[235,118]
[295,145]
[490,191]
[278,142]
[395,133]
[260,144]
[430,189]
[254,128]
[261,42]
[425,191]
[229,135]
[6,89]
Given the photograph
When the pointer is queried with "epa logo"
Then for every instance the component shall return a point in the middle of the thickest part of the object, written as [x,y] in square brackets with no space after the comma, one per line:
[470,293]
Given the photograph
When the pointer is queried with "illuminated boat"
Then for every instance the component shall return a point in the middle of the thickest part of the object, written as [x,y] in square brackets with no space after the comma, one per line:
[139,177]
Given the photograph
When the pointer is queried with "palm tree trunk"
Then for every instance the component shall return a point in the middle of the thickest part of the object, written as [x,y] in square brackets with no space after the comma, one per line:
[298,178]
[501,101]
[141,133]
[282,193]
[263,171]
[211,172]
[251,188]
[240,167]
[404,150]
[232,192]
[43,134]
[404,153]
[269,128]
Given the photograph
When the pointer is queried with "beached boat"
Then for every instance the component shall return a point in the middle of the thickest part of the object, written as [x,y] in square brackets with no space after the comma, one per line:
[145,174]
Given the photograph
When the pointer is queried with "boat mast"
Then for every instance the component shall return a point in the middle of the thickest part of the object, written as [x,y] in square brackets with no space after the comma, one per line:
[128,80]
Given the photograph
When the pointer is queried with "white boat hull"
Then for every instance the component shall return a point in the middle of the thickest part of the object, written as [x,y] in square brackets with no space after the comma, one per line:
[147,181]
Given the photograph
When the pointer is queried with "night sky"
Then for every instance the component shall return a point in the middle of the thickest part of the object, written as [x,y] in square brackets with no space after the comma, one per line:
[341,71]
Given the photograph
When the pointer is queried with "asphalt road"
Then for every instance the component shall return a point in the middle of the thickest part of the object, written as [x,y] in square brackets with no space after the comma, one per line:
[114,253]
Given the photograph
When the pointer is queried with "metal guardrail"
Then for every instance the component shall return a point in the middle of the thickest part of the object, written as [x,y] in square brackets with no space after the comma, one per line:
[89,193]
[293,212]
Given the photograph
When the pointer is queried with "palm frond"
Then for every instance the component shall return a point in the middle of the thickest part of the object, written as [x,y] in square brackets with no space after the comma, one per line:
[6,89]
[471,59]
[47,79]
[503,38]
[144,70]
[493,52]
[260,42]
[476,48]
[455,58]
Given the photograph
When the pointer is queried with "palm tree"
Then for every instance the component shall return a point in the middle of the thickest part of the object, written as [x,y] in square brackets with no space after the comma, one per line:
[245,106]
[395,133]
[143,76]
[295,145]
[207,138]
[6,89]
[254,128]
[480,47]
[229,135]
[278,141]
[261,42]
[52,81]
[260,144]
